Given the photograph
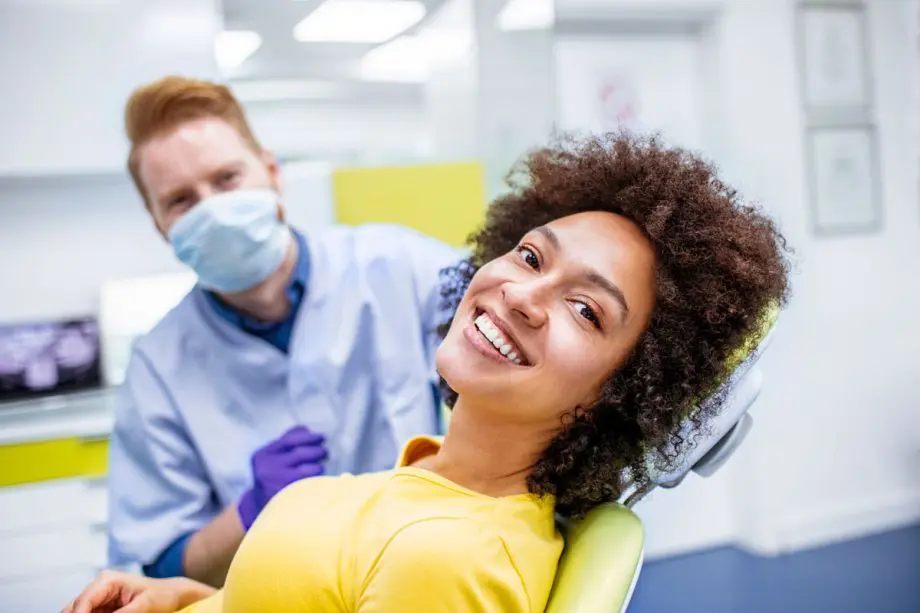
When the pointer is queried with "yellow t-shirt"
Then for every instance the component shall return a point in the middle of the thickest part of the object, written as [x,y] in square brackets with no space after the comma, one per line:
[402,541]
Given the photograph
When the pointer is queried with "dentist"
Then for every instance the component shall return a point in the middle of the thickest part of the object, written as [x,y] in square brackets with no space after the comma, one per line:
[297,353]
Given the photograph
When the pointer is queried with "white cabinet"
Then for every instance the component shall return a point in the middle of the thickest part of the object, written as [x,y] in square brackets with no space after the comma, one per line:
[43,594]
[52,542]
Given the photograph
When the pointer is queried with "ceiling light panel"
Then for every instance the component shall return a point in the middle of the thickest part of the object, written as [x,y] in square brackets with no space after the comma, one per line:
[233,47]
[359,21]
[527,15]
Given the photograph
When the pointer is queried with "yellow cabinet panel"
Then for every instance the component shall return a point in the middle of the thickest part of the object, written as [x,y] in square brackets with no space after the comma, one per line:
[55,459]
[446,201]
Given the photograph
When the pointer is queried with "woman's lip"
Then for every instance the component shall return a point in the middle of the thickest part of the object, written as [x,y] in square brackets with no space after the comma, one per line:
[483,346]
[503,330]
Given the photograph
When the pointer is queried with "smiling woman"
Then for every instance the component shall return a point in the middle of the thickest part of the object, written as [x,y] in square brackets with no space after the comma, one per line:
[606,292]
[668,266]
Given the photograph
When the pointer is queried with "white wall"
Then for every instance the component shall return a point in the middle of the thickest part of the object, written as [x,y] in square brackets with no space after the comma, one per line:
[451,113]
[835,452]
[357,130]
[60,239]
[67,68]
[498,100]
[516,93]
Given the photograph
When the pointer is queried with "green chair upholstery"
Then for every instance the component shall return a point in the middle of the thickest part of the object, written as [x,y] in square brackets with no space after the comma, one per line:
[601,562]
[603,553]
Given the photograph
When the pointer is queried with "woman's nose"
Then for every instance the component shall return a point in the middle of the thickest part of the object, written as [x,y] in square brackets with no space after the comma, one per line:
[527,301]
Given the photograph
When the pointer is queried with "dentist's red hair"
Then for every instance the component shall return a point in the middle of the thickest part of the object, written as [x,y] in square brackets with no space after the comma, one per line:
[160,107]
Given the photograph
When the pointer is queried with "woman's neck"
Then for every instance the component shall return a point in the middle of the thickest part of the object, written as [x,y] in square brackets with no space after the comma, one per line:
[490,456]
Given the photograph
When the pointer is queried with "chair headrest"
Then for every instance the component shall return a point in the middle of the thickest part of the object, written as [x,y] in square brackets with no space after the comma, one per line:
[724,432]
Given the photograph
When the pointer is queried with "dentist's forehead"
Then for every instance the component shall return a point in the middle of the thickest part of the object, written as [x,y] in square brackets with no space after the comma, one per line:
[189,152]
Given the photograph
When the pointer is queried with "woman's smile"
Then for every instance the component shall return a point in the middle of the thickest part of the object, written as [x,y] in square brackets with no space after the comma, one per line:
[490,337]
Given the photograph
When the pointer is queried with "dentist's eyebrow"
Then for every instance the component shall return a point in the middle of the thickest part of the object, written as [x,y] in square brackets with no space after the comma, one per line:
[592,276]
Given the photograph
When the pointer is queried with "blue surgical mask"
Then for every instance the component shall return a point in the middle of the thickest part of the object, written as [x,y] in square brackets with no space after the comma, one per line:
[233,241]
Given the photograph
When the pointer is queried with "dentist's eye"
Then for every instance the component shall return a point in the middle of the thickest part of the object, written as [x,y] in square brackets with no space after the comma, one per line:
[588,313]
[530,258]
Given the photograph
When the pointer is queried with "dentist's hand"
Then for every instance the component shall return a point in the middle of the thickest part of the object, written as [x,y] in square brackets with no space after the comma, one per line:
[298,454]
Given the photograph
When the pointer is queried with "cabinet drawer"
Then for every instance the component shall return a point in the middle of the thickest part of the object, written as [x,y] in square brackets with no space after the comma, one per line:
[55,459]
[44,593]
[40,552]
[53,503]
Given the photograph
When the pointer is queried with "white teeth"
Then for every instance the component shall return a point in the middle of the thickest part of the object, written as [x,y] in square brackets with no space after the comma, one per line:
[492,333]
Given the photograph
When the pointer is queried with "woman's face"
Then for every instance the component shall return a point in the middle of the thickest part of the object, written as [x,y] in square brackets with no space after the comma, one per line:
[541,329]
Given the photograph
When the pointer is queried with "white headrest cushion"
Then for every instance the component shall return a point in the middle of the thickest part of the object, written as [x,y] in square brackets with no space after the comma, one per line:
[738,393]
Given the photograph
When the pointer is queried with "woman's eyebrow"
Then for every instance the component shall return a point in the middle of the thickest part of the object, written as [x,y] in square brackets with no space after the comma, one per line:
[608,286]
[550,236]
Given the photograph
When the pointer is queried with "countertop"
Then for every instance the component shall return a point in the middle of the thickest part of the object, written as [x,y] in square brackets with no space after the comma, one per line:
[86,415]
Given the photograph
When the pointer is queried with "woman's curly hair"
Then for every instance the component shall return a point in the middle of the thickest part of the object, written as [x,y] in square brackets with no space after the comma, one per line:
[721,264]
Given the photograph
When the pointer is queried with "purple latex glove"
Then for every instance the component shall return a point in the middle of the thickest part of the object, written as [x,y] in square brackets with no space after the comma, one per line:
[298,454]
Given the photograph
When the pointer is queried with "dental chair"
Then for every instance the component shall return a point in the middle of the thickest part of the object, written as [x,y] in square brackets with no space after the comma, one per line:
[604,551]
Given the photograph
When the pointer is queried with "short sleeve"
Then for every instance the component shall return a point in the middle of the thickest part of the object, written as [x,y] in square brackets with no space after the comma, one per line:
[158,488]
[444,566]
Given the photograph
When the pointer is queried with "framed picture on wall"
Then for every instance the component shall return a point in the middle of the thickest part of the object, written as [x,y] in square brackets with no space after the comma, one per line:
[834,54]
[844,180]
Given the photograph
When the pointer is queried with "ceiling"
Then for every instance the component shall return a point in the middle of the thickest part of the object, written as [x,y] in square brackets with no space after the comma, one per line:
[283,57]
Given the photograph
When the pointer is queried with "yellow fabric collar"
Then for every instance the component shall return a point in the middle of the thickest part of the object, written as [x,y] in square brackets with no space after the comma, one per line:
[417,448]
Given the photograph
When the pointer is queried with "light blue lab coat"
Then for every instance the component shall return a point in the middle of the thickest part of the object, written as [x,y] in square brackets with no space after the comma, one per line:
[201,395]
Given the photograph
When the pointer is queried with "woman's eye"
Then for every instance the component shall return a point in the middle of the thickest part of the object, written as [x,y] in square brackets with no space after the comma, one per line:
[529,257]
[588,313]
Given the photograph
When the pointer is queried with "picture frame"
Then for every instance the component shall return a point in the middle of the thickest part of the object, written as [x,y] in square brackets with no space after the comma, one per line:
[834,55]
[844,181]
